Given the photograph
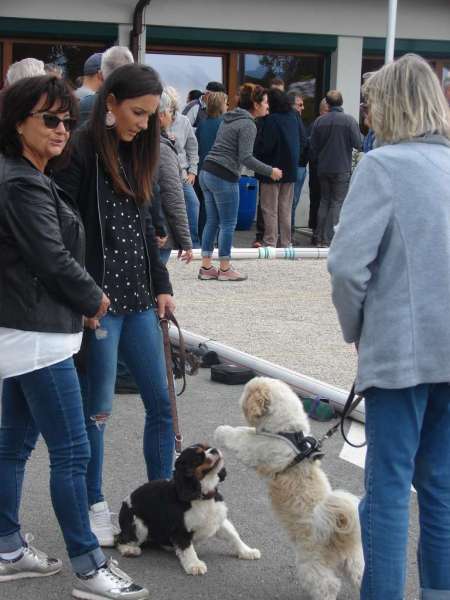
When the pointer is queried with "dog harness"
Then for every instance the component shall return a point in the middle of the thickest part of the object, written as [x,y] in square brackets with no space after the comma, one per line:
[305,446]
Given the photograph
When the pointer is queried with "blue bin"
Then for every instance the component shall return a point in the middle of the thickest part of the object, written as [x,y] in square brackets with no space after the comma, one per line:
[248,191]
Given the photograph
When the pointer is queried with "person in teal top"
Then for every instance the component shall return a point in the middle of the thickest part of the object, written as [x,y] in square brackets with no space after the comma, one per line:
[216,105]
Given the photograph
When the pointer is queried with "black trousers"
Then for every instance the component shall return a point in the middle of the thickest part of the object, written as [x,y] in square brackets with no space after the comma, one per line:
[334,188]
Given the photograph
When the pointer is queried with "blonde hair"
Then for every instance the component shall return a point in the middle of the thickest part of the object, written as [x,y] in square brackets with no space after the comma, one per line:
[405,101]
[174,97]
[216,104]
[165,103]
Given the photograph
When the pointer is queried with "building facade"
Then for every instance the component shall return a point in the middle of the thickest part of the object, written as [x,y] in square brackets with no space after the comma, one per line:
[314,45]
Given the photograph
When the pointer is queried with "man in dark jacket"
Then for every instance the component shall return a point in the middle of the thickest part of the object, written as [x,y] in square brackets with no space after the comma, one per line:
[333,138]
[278,144]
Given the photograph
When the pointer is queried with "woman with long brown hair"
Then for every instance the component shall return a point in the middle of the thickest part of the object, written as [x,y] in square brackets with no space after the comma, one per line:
[45,291]
[110,179]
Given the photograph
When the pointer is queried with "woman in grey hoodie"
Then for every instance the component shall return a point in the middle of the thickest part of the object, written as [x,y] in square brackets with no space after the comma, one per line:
[219,179]
[390,268]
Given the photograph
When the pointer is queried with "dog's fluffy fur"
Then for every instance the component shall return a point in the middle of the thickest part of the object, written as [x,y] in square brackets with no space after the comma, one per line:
[322,524]
[181,511]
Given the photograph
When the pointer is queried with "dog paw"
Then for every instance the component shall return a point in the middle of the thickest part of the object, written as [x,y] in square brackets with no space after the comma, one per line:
[223,434]
[199,568]
[129,550]
[249,554]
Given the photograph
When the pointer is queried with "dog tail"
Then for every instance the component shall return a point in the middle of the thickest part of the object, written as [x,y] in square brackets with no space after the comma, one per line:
[336,520]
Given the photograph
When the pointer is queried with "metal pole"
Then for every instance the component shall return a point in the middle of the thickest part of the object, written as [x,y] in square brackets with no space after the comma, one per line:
[302,383]
[391,26]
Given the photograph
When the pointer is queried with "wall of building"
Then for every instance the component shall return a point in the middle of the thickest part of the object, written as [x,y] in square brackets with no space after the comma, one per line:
[367,18]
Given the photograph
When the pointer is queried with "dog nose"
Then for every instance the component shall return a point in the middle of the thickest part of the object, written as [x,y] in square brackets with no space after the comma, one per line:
[214,451]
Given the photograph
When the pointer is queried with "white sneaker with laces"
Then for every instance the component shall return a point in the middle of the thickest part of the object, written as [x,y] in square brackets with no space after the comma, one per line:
[32,563]
[108,583]
[101,524]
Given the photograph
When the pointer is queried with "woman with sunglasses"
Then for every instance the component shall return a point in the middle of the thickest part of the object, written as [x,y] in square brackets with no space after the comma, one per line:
[45,290]
[110,179]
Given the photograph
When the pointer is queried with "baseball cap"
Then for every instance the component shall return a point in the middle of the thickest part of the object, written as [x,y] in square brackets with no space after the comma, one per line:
[93,64]
[215,86]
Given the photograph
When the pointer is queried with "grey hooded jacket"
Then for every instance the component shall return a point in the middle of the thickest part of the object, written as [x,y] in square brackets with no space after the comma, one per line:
[172,197]
[234,144]
[390,265]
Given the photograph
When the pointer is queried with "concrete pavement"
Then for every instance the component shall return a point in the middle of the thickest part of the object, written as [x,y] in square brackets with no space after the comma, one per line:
[282,313]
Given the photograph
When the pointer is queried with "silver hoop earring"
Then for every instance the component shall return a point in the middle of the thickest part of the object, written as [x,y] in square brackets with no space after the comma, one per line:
[110,120]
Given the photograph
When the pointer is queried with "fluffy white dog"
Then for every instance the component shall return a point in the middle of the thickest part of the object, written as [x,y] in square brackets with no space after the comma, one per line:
[322,524]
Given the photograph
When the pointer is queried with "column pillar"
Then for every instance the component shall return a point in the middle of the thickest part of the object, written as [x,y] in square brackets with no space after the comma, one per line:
[346,64]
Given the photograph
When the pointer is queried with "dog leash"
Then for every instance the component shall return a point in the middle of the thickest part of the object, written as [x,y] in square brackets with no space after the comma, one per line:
[170,379]
[351,403]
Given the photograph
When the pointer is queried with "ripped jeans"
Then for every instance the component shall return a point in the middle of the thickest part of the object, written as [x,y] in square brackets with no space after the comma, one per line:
[140,339]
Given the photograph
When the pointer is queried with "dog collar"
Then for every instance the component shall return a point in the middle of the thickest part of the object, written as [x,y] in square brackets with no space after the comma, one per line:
[210,495]
[305,446]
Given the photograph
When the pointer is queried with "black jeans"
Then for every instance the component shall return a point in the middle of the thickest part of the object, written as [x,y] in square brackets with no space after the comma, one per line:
[314,196]
[334,188]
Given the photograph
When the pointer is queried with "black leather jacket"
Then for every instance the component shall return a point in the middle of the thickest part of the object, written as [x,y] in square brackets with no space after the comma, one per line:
[43,285]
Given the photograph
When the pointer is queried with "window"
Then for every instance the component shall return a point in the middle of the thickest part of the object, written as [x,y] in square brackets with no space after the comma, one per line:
[303,73]
[69,56]
[186,72]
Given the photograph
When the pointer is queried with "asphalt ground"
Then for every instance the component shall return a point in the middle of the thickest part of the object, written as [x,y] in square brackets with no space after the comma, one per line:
[282,313]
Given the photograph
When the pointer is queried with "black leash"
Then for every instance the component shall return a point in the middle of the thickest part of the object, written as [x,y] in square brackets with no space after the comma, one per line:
[352,402]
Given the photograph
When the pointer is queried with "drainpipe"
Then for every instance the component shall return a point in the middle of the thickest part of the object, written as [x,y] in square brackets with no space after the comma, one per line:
[391,26]
[138,27]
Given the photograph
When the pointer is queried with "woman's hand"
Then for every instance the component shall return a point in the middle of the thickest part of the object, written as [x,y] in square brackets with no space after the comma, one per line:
[190,178]
[90,323]
[277,174]
[161,240]
[185,255]
[103,308]
[165,304]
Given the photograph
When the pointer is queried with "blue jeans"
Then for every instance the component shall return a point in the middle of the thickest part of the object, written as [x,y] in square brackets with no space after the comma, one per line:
[301,176]
[192,211]
[47,401]
[140,338]
[408,442]
[222,205]
[164,255]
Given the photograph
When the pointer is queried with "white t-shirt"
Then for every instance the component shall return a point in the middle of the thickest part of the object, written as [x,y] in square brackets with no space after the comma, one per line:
[25,351]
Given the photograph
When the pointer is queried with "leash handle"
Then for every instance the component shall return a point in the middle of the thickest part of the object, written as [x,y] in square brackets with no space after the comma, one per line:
[350,405]
[352,402]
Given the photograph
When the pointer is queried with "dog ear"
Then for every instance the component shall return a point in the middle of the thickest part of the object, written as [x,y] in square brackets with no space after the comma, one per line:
[222,474]
[186,484]
[256,403]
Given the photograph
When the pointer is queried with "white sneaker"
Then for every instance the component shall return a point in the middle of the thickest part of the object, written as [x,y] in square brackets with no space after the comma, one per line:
[108,583]
[101,524]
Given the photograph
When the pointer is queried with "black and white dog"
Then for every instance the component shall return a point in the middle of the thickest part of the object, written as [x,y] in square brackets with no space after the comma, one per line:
[186,509]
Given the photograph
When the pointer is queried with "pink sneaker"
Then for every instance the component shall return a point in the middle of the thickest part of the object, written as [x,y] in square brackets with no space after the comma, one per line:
[211,273]
[231,275]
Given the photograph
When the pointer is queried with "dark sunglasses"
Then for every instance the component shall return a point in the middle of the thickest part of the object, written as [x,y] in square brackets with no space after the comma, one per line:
[52,121]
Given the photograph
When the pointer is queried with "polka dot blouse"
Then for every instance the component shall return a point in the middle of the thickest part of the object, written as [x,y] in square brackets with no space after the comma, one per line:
[126,280]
